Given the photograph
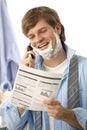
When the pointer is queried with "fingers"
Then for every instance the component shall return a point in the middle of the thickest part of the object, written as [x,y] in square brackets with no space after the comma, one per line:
[1,96]
[4,95]
[31,56]
[28,59]
[53,108]
[29,62]
[51,102]
[27,53]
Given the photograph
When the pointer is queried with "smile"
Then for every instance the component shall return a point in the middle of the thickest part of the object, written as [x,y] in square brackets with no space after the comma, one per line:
[43,46]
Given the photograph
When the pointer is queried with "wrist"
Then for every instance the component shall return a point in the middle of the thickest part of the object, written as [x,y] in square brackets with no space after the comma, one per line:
[71,119]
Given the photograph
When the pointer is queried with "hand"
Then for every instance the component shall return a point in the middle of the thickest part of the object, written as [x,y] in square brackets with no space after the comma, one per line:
[4,95]
[55,109]
[27,60]
[1,96]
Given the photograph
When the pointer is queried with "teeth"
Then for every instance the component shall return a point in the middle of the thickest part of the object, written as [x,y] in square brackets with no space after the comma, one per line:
[42,45]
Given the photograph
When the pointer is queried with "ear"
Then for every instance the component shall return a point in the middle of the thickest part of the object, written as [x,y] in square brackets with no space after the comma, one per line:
[58,29]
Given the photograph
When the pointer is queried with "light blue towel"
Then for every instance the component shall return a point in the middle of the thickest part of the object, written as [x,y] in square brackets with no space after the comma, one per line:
[9,53]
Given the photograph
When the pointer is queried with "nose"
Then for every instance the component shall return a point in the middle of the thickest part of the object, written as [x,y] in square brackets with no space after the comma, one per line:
[39,39]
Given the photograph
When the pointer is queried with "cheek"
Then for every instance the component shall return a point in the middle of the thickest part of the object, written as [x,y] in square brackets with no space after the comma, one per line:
[53,41]
[33,44]
[49,36]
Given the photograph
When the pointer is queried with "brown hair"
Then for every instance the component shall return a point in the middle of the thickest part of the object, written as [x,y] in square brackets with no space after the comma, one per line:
[31,18]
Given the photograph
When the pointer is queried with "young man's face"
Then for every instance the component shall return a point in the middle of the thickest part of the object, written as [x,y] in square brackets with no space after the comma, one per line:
[41,35]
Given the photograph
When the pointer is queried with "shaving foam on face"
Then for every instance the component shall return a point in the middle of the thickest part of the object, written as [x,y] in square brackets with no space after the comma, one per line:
[58,45]
[50,52]
[46,53]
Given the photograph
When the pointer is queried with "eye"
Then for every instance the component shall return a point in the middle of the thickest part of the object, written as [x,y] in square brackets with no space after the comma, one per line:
[43,30]
[31,36]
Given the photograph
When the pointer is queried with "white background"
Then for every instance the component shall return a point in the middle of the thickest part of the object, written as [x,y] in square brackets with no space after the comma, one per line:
[73,15]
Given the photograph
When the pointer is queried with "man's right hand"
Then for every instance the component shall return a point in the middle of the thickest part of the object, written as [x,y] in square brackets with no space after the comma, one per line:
[27,60]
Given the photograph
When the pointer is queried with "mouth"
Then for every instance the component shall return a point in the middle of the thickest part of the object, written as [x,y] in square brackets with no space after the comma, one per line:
[43,46]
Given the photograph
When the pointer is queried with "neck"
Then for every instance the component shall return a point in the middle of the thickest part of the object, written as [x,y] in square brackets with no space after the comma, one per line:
[53,62]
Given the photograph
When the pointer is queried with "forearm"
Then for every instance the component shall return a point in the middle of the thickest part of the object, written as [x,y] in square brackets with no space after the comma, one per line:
[71,119]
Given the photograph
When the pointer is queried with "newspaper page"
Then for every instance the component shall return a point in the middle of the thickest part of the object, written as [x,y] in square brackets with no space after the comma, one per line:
[32,86]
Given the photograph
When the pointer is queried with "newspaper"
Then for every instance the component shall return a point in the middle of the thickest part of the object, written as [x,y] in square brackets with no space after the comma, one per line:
[32,86]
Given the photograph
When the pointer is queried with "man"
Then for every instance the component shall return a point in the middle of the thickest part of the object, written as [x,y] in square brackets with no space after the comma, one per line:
[46,34]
